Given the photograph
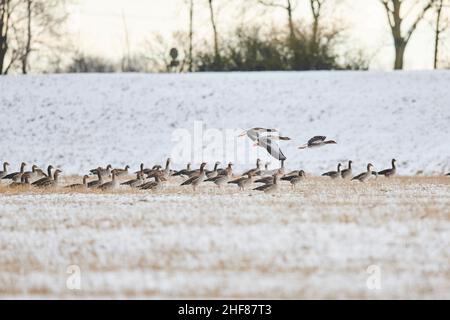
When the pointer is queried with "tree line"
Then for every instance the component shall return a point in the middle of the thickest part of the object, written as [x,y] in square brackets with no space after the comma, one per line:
[32,32]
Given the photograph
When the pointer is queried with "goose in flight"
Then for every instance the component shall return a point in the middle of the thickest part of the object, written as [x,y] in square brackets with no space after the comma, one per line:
[317,141]
[363,177]
[389,172]
[265,138]
[334,174]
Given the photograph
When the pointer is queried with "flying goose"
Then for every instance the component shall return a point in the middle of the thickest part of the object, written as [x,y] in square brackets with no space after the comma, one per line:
[363,177]
[44,179]
[79,186]
[347,173]
[121,172]
[5,170]
[52,183]
[215,172]
[317,141]
[197,179]
[96,183]
[270,187]
[222,179]
[295,179]
[104,172]
[264,138]
[13,175]
[334,174]
[244,181]
[389,172]
[134,183]
[111,185]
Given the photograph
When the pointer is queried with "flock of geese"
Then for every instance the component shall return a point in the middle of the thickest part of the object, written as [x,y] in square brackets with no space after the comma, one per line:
[154,178]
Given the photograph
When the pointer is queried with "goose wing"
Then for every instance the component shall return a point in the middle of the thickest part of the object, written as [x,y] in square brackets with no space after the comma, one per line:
[316,139]
[272,148]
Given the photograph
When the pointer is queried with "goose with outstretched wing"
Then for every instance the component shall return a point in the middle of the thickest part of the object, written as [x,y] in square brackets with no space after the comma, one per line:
[317,141]
[265,138]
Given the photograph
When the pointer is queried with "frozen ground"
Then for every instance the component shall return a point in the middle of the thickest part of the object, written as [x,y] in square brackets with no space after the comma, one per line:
[80,121]
[315,242]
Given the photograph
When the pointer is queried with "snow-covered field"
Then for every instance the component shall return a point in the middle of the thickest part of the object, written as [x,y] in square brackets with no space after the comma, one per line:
[81,121]
[315,242]
[325,239]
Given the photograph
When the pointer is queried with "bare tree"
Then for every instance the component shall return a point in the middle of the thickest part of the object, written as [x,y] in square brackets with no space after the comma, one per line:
[27,47]
[5,20]
[440,27]
[316,6]
[289,6]
[400,33]
[214,27]
[191,33]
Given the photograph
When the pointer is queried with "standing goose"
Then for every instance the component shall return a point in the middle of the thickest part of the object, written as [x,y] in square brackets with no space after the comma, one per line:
[244,182]
[104,172]
[121,172]
[215,172]
[13,175]
[141,169]
[389,172]
[44,179]
[363,177]
[134,183]
[255,171]
[52,183]
[197,179]
[270,187]
[79,186]
[334,174]
[347,173]
[153,185]
[35,173]
[269,179]
[183,172]
[317,141]
[24,182]
[96,183]
[295,179]
[111,185]
[5,170]
[222,179]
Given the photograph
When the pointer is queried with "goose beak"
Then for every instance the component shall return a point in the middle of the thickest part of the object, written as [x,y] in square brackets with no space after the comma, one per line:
[242,134]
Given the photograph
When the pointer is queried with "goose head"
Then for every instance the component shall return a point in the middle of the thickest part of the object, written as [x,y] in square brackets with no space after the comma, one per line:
[301,173]
[369,167]
[339,167]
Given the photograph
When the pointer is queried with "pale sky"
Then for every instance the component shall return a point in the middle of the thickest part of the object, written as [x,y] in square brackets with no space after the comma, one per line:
[98,25]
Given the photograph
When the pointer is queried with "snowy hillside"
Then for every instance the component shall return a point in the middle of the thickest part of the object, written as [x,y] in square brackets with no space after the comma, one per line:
[81,121]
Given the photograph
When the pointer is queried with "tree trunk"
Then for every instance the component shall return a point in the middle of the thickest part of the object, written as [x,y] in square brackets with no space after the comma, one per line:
[191,32]
[213,23]
[437,33]
[290,20]
[4,25]
[28,42]
[399,55]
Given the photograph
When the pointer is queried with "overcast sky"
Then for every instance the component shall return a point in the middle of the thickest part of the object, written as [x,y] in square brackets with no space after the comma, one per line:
[98,25]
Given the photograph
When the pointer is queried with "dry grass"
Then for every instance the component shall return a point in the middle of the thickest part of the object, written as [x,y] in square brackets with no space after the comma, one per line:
[312,242]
